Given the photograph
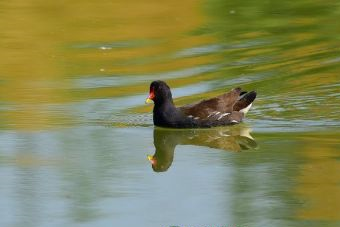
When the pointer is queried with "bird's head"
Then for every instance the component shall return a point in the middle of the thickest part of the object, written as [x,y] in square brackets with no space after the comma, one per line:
[159,92]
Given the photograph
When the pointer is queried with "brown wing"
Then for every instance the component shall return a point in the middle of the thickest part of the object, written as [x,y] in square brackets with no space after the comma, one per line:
[203,109]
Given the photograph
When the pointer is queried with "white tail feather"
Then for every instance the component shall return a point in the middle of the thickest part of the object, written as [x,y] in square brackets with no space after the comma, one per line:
[245,110]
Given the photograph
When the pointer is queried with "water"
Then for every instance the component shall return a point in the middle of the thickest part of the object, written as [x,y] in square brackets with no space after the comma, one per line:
[75,135]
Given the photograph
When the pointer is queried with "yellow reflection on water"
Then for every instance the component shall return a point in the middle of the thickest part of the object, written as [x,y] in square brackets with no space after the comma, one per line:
[319,181]
[39,52]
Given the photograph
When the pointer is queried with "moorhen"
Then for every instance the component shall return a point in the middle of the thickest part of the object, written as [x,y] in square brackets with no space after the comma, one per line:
[226,109]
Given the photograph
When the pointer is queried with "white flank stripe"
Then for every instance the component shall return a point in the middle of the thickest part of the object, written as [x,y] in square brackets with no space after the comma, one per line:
[222,115]
[211,114]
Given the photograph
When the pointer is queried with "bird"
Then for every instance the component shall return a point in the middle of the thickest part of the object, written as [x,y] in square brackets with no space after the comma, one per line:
[226,109]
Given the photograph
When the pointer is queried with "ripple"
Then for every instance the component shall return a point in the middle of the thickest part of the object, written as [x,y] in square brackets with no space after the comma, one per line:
[200,50]
[94,81]
[113,45]
[284,125]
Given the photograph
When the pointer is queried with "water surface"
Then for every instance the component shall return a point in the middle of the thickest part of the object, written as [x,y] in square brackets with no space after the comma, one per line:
[75,136]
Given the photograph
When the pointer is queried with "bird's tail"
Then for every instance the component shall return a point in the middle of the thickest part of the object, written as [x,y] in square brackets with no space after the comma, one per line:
[245,102]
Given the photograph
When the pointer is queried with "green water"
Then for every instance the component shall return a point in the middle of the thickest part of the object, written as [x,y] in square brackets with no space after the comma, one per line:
[75,135]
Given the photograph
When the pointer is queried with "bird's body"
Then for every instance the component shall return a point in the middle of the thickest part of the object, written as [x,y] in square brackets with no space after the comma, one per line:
[226,109]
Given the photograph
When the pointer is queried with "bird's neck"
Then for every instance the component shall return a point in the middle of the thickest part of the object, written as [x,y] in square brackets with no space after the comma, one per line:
[164,113]
[164,106]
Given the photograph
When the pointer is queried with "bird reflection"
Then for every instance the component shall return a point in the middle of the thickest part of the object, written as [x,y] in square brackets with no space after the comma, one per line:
[235,138]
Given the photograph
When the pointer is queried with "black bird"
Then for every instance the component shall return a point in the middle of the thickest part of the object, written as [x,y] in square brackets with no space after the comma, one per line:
[226,109]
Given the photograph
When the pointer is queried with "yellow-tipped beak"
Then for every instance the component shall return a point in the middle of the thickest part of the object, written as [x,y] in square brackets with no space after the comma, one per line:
[148,101]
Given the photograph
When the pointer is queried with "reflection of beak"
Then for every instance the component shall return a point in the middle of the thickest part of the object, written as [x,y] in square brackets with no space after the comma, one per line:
[148,100]
[151,159]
